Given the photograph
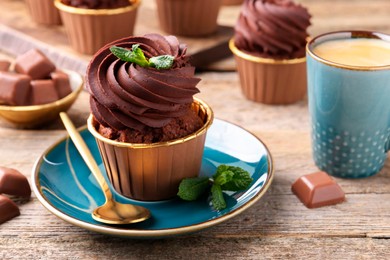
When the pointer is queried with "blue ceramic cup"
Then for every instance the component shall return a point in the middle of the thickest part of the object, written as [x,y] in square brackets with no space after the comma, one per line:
[350,111]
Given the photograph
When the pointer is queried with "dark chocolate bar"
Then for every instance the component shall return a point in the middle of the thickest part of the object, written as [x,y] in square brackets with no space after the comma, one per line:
[61,83]
[14,88]
[35,64]
[8,209]
[12,182]
[43,92]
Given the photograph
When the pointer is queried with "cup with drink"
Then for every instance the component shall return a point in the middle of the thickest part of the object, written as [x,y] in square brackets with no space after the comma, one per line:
[349,101]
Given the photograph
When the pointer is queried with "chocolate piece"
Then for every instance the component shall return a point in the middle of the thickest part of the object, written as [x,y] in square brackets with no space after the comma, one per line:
[61,83]
[12,182]
[318,189]
[43,92]
[35,64]
[14,88]
[4,65]
[8,209]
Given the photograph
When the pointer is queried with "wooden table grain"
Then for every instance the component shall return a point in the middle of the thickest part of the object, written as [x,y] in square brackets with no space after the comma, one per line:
[276,227]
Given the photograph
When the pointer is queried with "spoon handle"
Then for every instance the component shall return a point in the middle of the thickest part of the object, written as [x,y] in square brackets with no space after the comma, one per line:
[85,154]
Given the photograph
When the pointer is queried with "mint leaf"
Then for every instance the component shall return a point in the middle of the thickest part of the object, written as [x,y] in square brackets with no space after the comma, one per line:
[226,177]
[136,55]
[191,188]
[162,62]
[223,177]
[240,180]
[217,199]
[121,53]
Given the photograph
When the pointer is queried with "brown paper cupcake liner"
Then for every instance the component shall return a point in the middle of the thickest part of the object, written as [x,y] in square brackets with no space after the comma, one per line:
[43,12]
[153,171]
[188,17]
[270,81]
[88,29]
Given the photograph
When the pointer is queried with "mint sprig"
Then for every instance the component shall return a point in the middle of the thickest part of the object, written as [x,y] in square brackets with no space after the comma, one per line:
[191,188]
[229,178]
[136,55]
[217,198]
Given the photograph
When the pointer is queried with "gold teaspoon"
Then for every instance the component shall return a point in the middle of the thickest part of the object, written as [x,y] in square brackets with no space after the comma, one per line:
[111,212]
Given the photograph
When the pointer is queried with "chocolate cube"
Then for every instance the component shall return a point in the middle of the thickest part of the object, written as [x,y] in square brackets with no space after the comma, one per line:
[14,89]
[12,182]
[4,65]
[8,209]
[35,64]
[318,189]
[61,83]
[43,92]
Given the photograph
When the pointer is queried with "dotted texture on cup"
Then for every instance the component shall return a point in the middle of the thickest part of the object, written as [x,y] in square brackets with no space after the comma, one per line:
[349,155]
[188,17]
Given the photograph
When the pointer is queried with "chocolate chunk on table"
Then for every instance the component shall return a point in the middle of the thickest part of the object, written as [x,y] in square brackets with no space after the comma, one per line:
[43,92]
[61,83]
[4,65]
[35,64]
[12,182]
[318,189]
[8,209]
[14,88]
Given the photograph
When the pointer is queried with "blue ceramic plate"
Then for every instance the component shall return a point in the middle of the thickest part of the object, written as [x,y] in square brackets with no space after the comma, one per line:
[65,186]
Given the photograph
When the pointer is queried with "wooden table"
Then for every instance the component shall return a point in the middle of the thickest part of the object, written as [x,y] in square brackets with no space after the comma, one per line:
[278,226]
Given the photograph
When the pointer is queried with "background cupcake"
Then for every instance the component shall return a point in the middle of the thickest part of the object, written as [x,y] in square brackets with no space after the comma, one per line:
[192,18]
[90,24]
[269,48]
[149,129]
[43,12]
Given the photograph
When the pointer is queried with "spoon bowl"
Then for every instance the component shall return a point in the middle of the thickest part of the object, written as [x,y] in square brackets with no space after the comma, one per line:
[111,212]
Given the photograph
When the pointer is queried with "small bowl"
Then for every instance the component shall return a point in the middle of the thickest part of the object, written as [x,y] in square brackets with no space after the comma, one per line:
[36,115]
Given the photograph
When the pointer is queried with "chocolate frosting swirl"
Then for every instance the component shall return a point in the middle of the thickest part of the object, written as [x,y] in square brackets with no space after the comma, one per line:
[126,95]
[272,29]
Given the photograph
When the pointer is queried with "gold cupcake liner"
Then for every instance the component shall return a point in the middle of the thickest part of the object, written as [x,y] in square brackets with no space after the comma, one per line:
[192,18]
[153,172]
[89,29]
[43,12]
[270,81]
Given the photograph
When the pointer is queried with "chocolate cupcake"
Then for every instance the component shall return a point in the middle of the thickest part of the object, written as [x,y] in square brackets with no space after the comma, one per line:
[149,129]
[90,24]
[269,48]
[193,18]
[43,12]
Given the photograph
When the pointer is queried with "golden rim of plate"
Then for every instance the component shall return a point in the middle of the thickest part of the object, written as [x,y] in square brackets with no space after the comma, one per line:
[136,233]
[256,59]
[84,11]
[203,105]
